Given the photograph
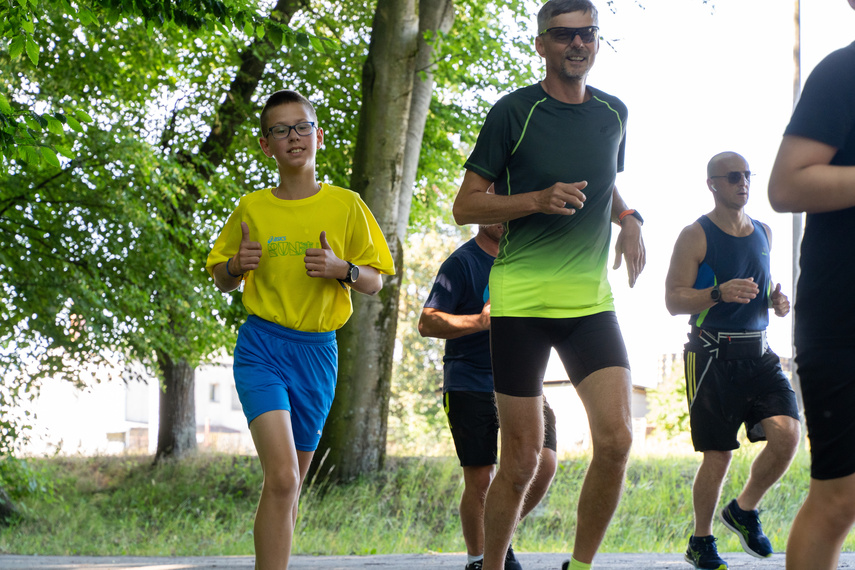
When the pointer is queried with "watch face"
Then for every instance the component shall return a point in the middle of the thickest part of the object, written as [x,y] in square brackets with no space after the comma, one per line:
[354,273]
[715,294]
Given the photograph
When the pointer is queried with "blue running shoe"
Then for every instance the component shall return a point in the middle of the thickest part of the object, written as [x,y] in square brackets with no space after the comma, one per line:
[703,555]
[746,525]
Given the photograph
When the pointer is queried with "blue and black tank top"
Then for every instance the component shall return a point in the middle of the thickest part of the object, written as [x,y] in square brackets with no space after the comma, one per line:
[730,257]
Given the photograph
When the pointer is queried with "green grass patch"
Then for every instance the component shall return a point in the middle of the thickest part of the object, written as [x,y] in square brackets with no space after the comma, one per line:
[205,506]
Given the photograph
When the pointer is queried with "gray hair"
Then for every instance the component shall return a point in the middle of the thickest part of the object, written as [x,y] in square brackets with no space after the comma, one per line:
[556,7]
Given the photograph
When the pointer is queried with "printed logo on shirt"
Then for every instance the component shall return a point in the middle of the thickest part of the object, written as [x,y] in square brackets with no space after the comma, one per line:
[279,245]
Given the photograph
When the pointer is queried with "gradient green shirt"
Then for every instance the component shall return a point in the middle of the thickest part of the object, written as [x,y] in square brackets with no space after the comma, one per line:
[549,265]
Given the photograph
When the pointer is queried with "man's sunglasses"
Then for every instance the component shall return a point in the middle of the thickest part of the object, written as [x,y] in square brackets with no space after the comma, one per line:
[735,177]
[566,35]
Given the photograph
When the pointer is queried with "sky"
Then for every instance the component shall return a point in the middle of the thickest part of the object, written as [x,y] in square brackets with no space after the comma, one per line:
[698,80]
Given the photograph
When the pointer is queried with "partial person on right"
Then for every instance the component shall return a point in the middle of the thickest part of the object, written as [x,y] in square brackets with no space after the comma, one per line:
[815,173]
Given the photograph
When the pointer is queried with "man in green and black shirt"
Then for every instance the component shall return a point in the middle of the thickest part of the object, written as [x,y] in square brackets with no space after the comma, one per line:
[553,151]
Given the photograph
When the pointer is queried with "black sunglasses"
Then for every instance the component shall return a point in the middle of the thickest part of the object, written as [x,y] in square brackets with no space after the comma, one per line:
[735,176]
[567,35]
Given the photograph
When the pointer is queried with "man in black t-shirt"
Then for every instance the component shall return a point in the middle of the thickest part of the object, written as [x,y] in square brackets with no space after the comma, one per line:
[815,173]
[458,310]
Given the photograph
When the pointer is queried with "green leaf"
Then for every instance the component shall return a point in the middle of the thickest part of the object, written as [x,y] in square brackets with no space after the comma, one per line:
[302,40]
[50,157]
[32,123]
[64,151]
[16,48]
[317,44]
[275,35]
[248,29]
[33,51]
[53,125]
[82,116]
[5,108]
[23,3]
[30,155]
[40,119]
[72,122]
[28,26]
[86,17]
[259,32]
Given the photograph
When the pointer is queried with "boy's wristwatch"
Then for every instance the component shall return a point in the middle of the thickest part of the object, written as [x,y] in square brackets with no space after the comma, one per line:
[352,273]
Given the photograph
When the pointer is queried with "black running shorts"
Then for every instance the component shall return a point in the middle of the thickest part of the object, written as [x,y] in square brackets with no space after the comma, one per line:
[520,349]
[474,423]
[724,394]
[828,390]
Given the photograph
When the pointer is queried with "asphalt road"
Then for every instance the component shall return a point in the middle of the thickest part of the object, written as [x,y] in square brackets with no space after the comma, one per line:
[530,561]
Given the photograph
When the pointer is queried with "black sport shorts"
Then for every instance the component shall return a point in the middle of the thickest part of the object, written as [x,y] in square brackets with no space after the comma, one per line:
[724,394]
[520,349]
[474,423]
[828,390]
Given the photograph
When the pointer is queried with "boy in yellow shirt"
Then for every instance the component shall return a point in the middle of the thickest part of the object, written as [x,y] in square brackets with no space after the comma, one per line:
[298,249]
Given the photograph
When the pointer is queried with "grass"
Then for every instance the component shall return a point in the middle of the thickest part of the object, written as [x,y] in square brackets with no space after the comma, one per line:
[205,506]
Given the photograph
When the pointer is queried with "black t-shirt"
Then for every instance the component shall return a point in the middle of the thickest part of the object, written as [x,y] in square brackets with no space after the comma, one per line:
[461,289]
[824,307]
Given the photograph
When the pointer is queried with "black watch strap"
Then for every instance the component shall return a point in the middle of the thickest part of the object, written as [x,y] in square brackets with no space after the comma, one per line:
[352,273]
[715,294]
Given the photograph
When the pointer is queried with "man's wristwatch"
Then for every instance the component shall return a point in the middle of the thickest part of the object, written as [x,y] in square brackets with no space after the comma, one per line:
[352,273]
[715,294]
[632,213]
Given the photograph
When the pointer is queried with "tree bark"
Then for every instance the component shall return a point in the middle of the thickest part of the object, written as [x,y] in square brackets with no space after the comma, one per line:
[176,437]
[8,510]
[433,15]
[390,130]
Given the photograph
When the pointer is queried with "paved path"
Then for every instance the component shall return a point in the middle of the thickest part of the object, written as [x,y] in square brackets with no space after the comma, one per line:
[530,561]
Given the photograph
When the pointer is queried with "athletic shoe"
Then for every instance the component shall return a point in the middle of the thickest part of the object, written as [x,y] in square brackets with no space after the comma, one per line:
[565,565]
[511,562]
[702,553]
[475,565]
[746,525]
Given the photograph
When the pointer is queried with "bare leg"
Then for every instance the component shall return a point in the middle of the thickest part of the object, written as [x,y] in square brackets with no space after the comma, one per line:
[521,425]
[821,526]
[606,397]
[707,489]
[782,434]
[476,482]
[283,472]
[546,467]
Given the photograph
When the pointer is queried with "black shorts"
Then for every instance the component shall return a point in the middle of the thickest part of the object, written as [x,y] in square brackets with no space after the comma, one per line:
[724,394]
[474,423]
[520,349]
[828,390]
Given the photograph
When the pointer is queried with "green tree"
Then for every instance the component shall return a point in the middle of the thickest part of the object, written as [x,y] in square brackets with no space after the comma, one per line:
[103,254]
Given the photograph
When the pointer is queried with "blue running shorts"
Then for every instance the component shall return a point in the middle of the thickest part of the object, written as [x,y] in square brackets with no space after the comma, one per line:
[277,368]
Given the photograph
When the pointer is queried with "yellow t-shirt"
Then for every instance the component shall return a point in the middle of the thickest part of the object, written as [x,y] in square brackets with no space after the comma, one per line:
[279,290]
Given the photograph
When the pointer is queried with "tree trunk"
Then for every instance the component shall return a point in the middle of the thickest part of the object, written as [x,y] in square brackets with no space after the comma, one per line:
[8,510]
[177,429]
[390,130]
[176,437]
[433,15]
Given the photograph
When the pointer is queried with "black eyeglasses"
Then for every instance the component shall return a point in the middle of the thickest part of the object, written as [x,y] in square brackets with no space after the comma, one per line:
[282,131]
[567,35]
[735,177]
